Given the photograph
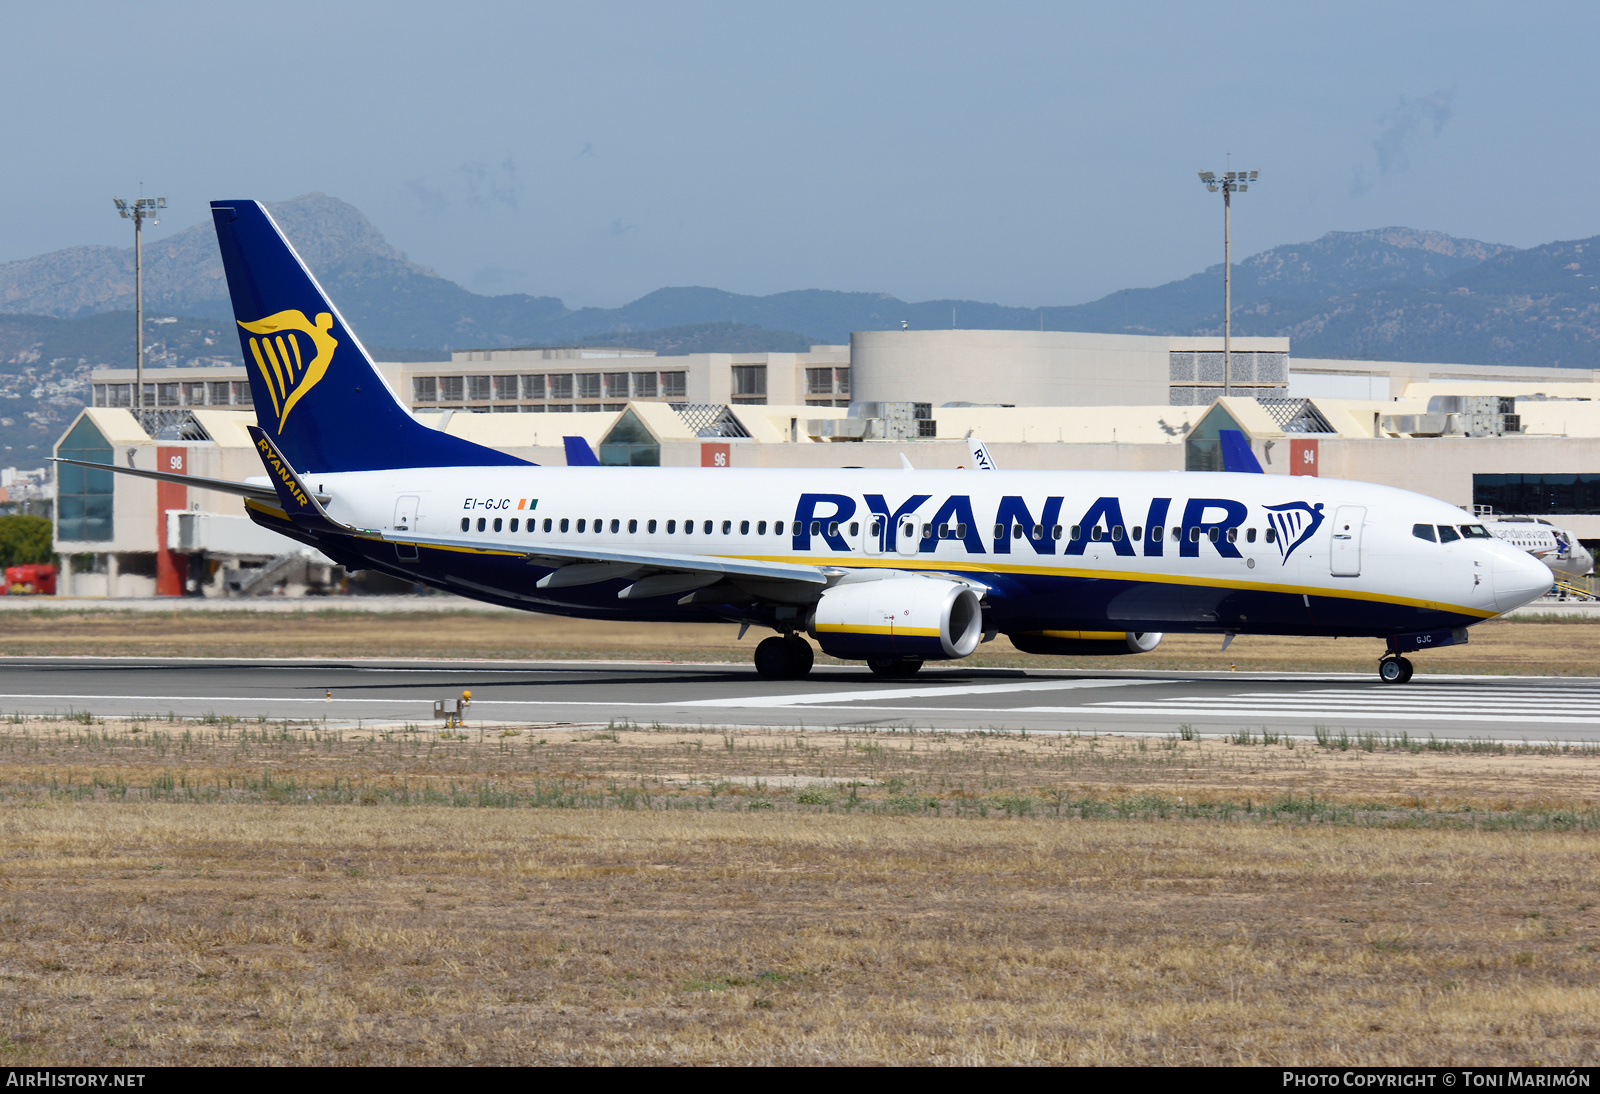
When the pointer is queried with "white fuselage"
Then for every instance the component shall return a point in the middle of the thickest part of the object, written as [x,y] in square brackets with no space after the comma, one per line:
[1357,543]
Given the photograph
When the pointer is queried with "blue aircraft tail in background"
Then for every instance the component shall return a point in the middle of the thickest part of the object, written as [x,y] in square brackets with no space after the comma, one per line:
[317,394]
[1236,454]
[579,454]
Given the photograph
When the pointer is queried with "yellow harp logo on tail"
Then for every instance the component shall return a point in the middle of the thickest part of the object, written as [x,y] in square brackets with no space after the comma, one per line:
[292,354]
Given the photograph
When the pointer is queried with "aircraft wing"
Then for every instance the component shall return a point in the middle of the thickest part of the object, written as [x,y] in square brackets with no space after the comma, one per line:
[598,564]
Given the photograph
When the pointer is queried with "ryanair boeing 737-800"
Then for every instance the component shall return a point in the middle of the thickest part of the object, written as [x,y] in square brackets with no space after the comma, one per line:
[895,568]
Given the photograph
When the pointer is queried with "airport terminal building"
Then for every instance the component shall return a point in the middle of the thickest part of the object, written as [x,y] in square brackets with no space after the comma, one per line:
[1518,440]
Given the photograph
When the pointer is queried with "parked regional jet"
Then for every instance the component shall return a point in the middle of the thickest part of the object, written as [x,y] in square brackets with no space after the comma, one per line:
[1556,547]
[895,567]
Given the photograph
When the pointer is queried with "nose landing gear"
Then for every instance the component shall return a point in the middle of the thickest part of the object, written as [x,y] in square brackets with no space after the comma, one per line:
[785,658]
[1394,669]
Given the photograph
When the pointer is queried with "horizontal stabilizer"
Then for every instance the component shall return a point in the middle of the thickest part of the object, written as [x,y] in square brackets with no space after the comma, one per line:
[222,486]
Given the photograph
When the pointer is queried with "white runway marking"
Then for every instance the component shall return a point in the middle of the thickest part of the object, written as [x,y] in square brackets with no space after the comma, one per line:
[1575,705]
[901,693]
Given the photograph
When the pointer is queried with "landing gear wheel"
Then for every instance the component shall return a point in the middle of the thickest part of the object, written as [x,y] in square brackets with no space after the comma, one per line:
[800,652]
[786,658]
[891,667]
[1395,670]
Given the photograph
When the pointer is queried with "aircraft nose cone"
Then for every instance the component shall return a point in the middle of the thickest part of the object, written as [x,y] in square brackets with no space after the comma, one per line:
[1519,578]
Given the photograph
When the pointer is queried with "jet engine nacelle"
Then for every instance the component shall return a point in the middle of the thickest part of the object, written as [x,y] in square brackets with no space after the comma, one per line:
[1086,643]
[912,618]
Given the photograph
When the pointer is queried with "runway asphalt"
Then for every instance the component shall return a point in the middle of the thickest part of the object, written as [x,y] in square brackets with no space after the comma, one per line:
[1536,709]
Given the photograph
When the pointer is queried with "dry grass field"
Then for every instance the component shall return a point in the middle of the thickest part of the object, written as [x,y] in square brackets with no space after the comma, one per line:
[1547,648]
[232,893]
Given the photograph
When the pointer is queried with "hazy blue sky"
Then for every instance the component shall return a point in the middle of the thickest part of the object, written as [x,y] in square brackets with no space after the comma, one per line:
[1019,153]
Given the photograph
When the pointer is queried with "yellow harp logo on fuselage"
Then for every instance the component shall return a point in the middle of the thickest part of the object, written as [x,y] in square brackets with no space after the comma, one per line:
[289,368]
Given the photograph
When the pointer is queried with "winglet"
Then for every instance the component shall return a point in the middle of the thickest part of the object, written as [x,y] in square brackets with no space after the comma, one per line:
[579,454]
[297,500]
[1236,454]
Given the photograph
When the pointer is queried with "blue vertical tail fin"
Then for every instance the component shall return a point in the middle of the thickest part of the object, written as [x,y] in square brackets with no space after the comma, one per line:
[317,394]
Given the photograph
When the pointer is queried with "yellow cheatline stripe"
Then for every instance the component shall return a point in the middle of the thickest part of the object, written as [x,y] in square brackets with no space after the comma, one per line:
[255,351]
[276,371]
[438,547]
[910,632]
[977,569]
[1108,575]
[263,507]
[1085,636]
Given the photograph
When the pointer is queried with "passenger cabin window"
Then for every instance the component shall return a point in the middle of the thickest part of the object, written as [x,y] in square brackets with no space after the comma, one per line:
[744,528]
[633,527]
[706,529]
[1272,535]
[777,527]
[547,525]
[1447,534]
[481,523]
[514,524]
[466,524]
[672,526]
[1155,533]
[651,528]
[727,527]
[496,524]
[563,524]
[855,527]
[1423,531]
[761,527]
[1249,536]
[580,524]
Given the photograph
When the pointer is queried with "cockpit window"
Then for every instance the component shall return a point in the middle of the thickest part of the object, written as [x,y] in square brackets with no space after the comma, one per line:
[1475,531]
[1448,534]
[1423,531]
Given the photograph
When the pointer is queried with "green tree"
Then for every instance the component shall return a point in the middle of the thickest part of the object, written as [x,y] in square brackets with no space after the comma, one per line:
[24,540]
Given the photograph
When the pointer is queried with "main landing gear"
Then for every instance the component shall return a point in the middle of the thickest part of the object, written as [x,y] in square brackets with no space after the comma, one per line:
[1394,669]
[888,666]
[785,658]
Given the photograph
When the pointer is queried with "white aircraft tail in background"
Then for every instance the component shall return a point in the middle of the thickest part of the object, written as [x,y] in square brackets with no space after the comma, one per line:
[980,455]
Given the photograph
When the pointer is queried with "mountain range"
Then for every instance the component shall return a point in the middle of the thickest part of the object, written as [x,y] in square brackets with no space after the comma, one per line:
[1388,294]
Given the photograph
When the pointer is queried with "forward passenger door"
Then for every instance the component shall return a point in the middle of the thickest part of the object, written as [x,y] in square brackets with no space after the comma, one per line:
[1345,557]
